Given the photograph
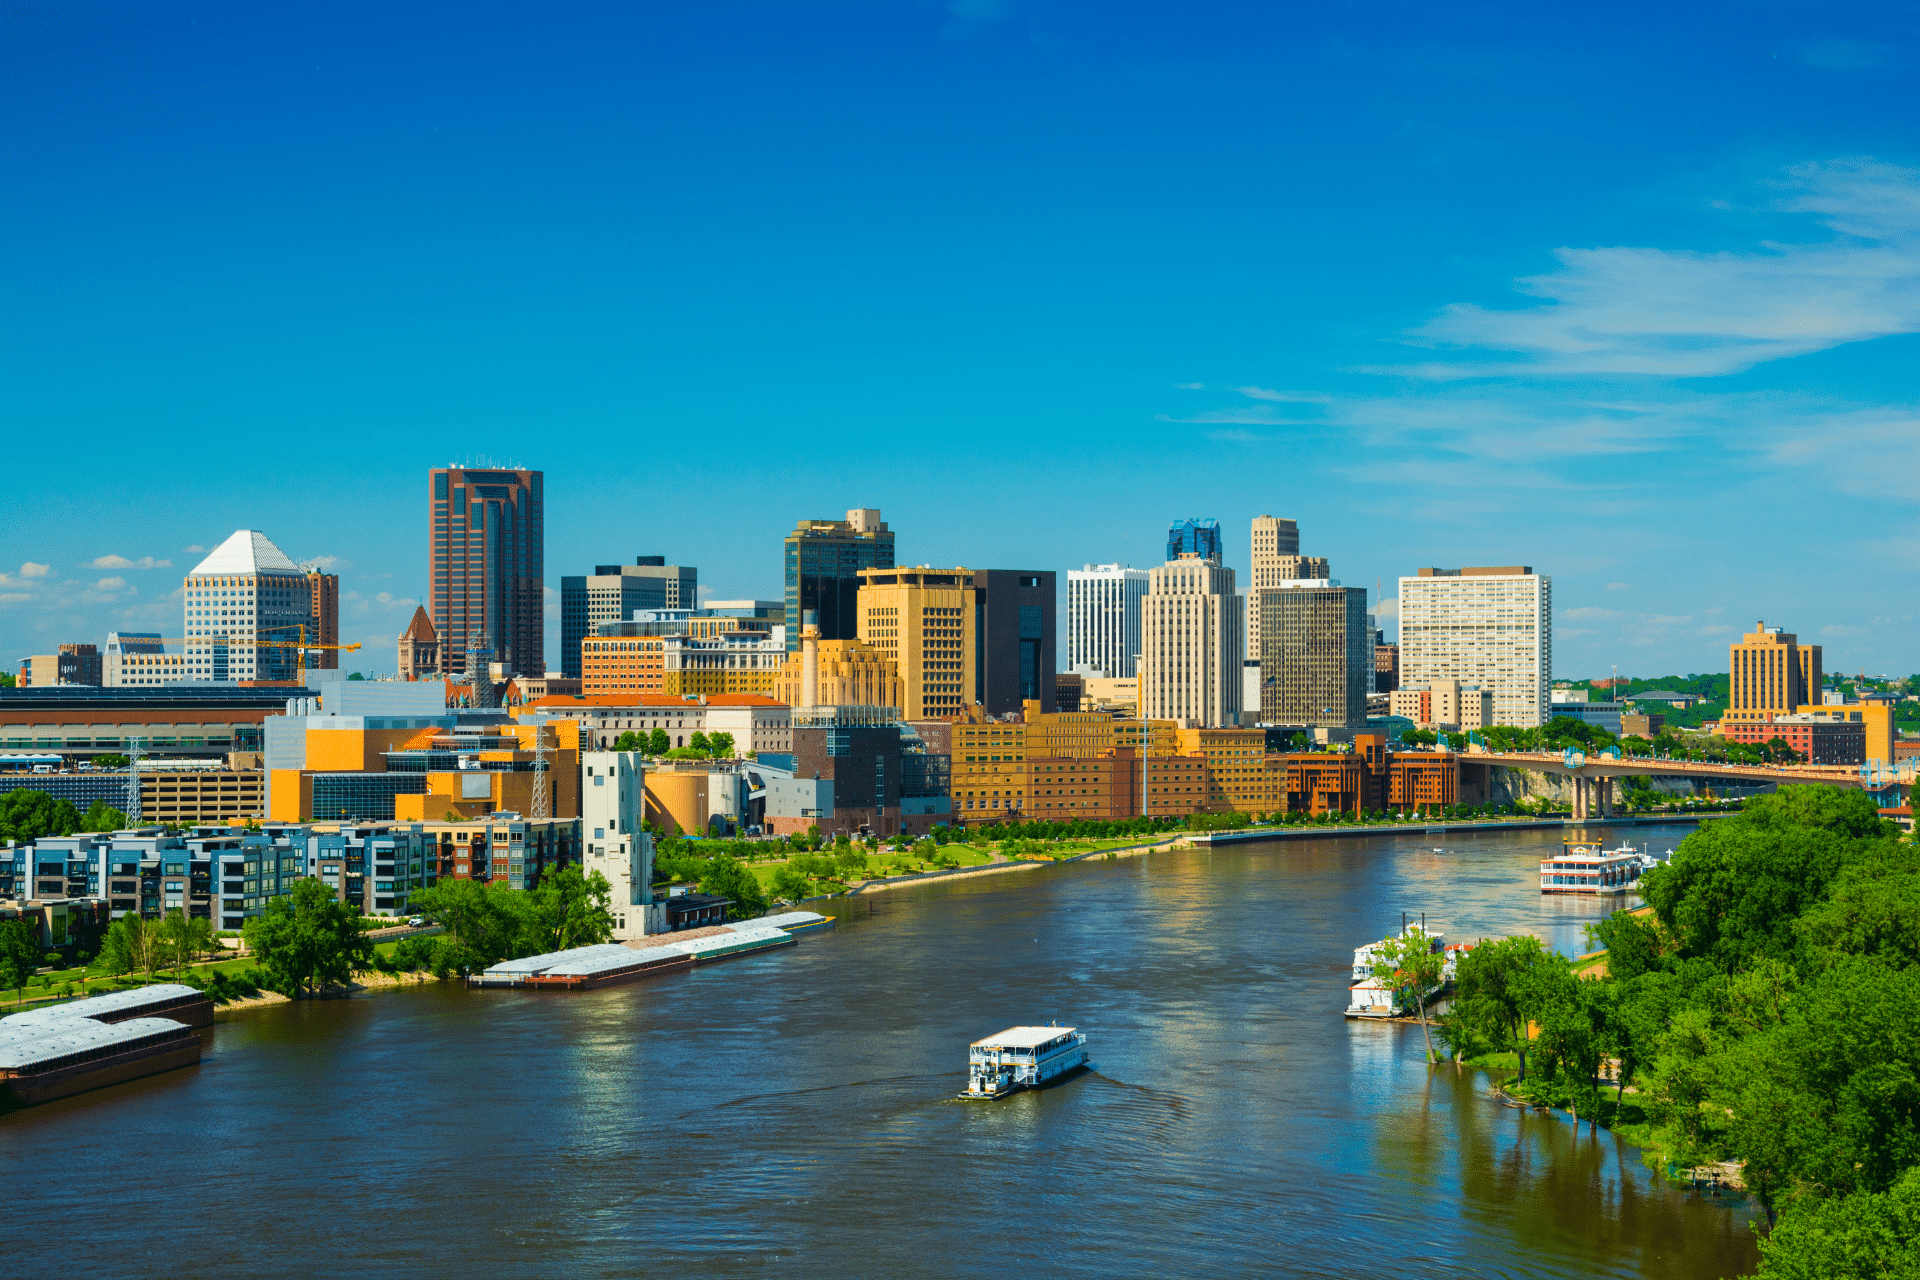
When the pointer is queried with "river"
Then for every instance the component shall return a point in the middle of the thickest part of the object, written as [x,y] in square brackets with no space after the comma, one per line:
[793,1112]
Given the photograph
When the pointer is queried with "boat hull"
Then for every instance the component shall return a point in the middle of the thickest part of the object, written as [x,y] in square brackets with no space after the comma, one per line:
[1079,1068]
[28,1090]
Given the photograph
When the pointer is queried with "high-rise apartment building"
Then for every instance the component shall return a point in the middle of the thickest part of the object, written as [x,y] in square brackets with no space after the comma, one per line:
[1771,674]
[1016,635]
[1103,619]
[323,618]
[245,592]
[1316,656]
[613,801]
[1386,663]
[487,562]
[1196,537]
[1193,639]
[1488,627]
[612,593]
[1277,560]
[925,620]
[823,563]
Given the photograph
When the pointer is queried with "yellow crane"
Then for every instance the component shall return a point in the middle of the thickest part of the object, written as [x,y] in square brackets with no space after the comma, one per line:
[300,645]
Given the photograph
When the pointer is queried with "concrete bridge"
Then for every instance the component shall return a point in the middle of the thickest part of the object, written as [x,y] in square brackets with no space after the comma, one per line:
[1592,776]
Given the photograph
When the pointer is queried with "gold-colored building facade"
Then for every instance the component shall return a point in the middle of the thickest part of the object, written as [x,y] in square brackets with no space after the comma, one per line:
[924,620]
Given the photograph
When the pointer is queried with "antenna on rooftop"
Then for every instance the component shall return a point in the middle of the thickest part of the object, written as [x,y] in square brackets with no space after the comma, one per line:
[539,804]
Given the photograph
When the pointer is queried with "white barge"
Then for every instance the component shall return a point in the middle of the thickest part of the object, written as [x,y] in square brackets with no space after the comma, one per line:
[1369,997]
[1023,1058]
[1587,868]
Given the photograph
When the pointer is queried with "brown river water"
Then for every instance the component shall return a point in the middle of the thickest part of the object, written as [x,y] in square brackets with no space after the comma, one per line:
[793,1113]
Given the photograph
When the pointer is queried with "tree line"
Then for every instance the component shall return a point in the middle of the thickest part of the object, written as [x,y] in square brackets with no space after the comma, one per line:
[1767,1011]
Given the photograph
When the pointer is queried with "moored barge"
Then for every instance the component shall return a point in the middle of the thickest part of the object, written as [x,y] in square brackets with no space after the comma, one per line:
[72,1055]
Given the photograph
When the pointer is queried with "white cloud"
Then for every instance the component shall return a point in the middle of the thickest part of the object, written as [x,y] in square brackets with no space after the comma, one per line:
[32,570]
[326,564]
[110,584]
[195,547]
[1190,386]
[1240,437]
[1292,397]
[1619,586]
[121,562]
[1686,313]
[1389,608]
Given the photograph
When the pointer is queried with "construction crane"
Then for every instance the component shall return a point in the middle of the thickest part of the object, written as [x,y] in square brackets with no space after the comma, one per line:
[300,645]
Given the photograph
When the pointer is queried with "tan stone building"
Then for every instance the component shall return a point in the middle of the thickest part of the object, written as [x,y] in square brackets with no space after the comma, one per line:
[923,619]
[1276,560]
[1771,674]
[845,673]
[1193,640]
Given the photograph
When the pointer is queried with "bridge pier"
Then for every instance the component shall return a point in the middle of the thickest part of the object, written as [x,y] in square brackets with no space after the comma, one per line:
[1606,797]
[1579,797]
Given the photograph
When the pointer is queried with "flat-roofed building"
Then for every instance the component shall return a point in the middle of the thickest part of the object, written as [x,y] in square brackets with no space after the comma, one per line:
[1193,627]
[1815,739]
[924,620]
[1489,627]
[823,563]
[1316,664]
[1770,674]
[613,593]
[1103,619]
[486,563]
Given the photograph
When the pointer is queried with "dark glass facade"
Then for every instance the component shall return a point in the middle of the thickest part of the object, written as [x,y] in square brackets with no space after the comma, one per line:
[823,563]
[1196,537]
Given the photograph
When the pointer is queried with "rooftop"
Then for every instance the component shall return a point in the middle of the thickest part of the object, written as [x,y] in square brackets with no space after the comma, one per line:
[248,552]
[1021,1038]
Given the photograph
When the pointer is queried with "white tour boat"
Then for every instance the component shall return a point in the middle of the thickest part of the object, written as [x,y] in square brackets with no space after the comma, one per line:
[1369,997]
[1588,868]
[1023,1058]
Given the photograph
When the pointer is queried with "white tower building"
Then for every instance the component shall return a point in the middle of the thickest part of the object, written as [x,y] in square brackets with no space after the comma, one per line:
[1489,627]
[613,790]
[246,591]
[1193,641]
[1103,619]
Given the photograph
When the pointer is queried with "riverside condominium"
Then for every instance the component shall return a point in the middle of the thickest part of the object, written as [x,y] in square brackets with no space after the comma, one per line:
[1193,638]
[1489,627]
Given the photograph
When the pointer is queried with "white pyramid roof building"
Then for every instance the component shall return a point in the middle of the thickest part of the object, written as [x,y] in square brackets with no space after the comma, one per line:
[248,552]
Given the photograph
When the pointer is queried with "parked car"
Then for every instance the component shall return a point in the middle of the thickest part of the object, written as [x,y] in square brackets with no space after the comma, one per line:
[417,921]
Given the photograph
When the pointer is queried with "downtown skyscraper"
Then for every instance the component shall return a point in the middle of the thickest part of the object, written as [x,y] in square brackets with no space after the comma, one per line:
[487,566]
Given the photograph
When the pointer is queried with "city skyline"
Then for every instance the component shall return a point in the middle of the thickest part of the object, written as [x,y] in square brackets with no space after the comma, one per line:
[1618,338]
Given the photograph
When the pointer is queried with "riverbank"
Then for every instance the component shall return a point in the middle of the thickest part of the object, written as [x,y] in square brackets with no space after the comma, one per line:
[1350,830]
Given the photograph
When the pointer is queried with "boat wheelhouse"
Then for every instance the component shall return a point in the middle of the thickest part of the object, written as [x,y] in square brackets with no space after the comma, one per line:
[1588,868]
[1023,1058]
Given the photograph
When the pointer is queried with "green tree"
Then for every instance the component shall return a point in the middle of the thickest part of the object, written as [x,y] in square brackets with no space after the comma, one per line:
[13,978]
[1409,964]
[720,745]
[308,939]
[630,741]
[26,816]
[1489,995]
[791,884]
[698,742]
[184,937]
[732,879]
[482,922]
[658,743]
[568,909]
[1866,1236]
[111,760]
[20,946]
[101,816]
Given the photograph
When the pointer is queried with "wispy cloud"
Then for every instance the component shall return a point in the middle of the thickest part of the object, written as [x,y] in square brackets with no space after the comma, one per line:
[111,584]
[32,570]
[1619,586]
[1292,397]
[327,564]
[195,547]
[1189,386]
[121,562]
[1686,313]
[1252,414]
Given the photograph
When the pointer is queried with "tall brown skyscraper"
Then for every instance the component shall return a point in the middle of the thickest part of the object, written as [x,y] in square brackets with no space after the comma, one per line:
[487,565]
[323,618]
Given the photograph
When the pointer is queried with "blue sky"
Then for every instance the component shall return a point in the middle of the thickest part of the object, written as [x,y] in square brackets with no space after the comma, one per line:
[1630,294]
